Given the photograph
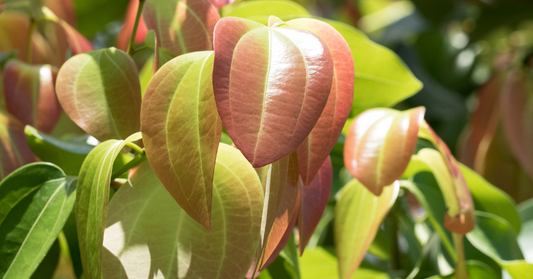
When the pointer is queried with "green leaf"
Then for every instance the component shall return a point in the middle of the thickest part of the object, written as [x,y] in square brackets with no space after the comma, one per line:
[38,199]
[92,200]
[496,238]
[358,216]
[525,238]
[100,91]
[476,269]
[149,234]
[260,11]
[48,265]
[71,235]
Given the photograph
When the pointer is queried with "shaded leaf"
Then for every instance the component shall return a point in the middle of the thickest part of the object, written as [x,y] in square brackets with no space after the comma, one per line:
[48,265]
[92,200]
[261,10]
[525,238]
[379,145]
[14,151]
[358,216]
[76,41]
[140,241]
[100,91]
[64,9]
[267,107]
[123,37]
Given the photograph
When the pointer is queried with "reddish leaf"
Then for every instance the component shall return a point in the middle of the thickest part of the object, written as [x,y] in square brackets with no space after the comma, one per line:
[14,150]
[313,200]
[64,9]
[123,37]
[220,3]
[317,146]
[77,43]
[379,145]
[271,84]
[30,94]
[182,25]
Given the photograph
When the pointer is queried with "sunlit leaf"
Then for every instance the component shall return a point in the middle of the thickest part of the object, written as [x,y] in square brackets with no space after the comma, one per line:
[148,234]
[313,200]
[76,41]
[30,94]
[181,131]
[123,37]
[379,145]
[358,216]
[14,151]
[37,200]
[100,91]
[284,238]
[261,10]
[92,200]
[271,85]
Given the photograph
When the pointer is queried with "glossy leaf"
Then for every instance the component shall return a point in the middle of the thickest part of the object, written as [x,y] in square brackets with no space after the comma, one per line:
[182,26]
[14,151]
[313,201]
[379,145]
[183,156]
[358,216]
[77,42]
[30,94]
[319,143]
[141,242]
[267,107]
[38,199]
[495,237]
[92,200]
[123,37]
[261,10]
[100,91]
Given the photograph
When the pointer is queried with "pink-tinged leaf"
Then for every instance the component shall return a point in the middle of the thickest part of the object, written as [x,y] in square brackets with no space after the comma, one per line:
[313,201]
[100,91]
[379,145]
[123,37]
[460,216]
[271,85]
[317,146]
[358,216]
[76,41]
[182,26]
[64,9]
[220,3]
[148,234]
[181,131]
[14,150]
[30,94]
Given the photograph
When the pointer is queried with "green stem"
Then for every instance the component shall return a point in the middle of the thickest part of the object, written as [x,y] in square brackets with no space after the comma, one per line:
[134,32]
[409,186]
[33,25]
[131,164]
[135,147]
[460,265]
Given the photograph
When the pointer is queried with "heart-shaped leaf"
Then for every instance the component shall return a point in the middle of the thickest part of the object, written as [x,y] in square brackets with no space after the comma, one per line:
[358,216]
[14,150]
[92,200]
[379,145]
[123,37]
[149,234]
[100,91]
[38,199]
[182,26]
[30,94]
[313,200]
[183,156]
[317,146]
[271,85]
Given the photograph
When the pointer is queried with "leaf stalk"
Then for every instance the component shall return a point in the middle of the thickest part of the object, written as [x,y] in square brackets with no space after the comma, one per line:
[135,26]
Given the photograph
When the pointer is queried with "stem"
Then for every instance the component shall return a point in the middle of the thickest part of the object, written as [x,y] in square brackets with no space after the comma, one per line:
[409,186]
[392,226]
[131,164]
[33,25]
[460,266]
[135,147]
[135,25]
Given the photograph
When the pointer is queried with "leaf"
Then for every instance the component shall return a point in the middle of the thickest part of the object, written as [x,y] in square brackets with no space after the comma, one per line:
[313,201]
[495,237]
[100,91]
[379,145]
[319,143]
[273,99]
[30,94]
[183,156]
[220,3]
[92,200]
[14,151]
[261,10]
[48,265]
[358,216]
[525,238]
[182,26]
[476,269]
[381,77]
[123,37]
[64,9]
[76,41]
[141,242]
[38,199]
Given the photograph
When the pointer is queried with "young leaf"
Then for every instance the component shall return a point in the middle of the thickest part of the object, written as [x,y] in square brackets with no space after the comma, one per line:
[64,9]
[379,145]
[271,85]
[182,26]
[149,234]
[358,215]
[39,199]
[313,200]
[317,146]
[30,94]
[76,41]
[274,251]
[14,151]
[92,200]
[123,37]
[261,10]
[181,131]
[100,91]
